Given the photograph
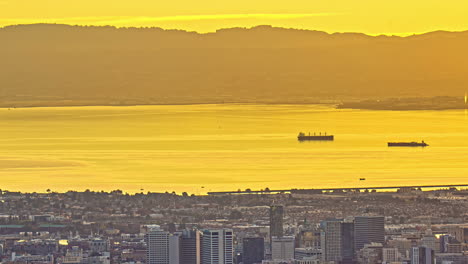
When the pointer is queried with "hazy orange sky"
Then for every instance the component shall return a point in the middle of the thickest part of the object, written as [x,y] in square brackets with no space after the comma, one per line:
[401,17]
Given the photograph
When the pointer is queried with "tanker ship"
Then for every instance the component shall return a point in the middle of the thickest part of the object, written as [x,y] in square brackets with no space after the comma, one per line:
[315,137]
[407,144]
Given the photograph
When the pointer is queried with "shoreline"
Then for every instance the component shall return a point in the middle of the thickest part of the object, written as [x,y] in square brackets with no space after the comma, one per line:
[168,104]
[388,104]
[266,191]
[334,105]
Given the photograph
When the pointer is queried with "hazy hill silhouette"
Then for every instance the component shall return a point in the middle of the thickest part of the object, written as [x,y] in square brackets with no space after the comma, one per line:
[53,62]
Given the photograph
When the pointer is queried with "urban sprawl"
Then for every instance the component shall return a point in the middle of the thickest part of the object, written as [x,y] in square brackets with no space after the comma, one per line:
[405,226]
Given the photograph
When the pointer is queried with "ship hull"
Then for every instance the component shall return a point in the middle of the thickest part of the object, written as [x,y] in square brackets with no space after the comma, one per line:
[407,144]
[315,138]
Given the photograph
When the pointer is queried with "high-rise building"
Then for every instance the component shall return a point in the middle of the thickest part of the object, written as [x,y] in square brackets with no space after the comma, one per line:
[190,247]
[157,241]
[184,247]
[368,229]
[174,248]
[422,255]
[347,242]
[338,241]
[276,221]
[217,246]
[282,248]
[253,250]
[331,240]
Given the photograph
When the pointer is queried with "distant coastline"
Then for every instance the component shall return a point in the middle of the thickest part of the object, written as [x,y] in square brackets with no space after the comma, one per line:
[32,103]
[407,104]
[395,104]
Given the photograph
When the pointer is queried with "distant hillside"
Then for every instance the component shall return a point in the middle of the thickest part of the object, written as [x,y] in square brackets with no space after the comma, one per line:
[66,65]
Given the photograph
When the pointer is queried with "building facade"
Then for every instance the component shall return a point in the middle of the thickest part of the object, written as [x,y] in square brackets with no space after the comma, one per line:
[190,247]
[282,248]
[338,241]
[422,255]
[217,246]
[276,220]
[367,230]
[157,241]
[253,250]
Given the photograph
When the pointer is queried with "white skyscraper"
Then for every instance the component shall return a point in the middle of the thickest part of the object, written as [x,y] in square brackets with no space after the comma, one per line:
[282,248]
[157,246]
[217,247]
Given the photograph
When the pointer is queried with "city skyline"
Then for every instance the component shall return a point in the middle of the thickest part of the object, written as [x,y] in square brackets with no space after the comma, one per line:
[233,132]
[346,228]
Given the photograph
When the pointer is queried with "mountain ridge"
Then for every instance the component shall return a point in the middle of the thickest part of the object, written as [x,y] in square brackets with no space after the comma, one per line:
[264,63]
[258,27]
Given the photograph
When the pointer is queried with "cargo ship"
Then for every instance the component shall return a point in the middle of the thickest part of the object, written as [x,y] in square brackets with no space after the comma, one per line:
[315,137]
[407,144]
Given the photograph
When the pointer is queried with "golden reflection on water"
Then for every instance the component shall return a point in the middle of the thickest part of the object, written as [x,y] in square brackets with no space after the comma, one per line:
[226,147]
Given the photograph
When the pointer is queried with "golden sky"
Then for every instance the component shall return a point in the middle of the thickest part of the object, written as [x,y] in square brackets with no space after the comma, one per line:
[400,17]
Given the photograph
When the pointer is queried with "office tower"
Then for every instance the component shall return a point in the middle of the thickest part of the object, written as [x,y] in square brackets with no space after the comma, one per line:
[368,229]
[338,241]
[331,245]
[174,248]
[422,255]
[276,221]
[217,247]
[253,250]
[347,242]
[190,247]
[282,248]
[157,242]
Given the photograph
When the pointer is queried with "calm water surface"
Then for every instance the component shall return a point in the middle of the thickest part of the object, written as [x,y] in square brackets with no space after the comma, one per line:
[200,148]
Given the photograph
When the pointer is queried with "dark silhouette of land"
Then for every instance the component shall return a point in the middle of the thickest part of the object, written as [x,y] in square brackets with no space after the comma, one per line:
[50,65]
[410,103]
[339,190]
